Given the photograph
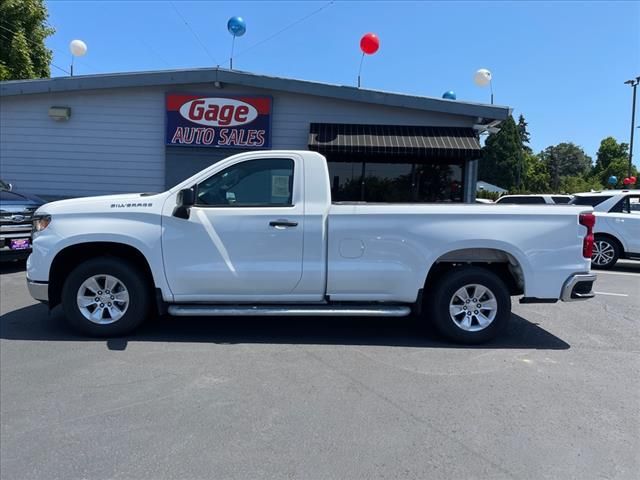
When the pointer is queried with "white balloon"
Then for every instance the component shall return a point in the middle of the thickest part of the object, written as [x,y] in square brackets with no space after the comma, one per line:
[78,48]
[482,78]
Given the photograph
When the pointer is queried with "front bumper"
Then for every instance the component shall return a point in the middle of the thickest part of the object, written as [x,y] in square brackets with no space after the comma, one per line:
[7,255]
[578,287]
[38,290]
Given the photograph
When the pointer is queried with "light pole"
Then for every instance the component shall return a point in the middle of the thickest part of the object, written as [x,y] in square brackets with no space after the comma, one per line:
[634,84]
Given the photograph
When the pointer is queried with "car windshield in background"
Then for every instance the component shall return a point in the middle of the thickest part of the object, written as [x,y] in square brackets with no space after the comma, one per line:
[589,200]
[521,200]
[561,199]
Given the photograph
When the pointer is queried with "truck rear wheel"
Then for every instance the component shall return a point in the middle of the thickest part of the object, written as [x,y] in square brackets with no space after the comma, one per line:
[105,297]
[469,305]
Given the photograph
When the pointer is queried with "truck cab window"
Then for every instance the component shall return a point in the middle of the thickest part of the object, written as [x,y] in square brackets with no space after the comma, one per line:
[254,183]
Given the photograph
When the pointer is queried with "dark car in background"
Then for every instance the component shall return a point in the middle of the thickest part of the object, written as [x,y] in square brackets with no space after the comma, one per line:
[16,212]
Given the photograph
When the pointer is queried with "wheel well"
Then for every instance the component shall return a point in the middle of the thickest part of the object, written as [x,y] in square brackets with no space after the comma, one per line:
[611,238]
[69,258]
[503,264]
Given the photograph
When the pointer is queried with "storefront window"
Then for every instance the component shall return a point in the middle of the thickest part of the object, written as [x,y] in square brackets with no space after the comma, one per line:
[438,183]
[346,185]
[395,182]
[388,182]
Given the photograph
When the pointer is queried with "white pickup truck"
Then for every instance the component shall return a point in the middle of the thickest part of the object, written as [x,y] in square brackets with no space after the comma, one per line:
[257,234]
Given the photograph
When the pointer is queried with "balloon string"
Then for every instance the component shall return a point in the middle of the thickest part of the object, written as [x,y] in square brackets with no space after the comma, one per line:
[233,41]
[360,69]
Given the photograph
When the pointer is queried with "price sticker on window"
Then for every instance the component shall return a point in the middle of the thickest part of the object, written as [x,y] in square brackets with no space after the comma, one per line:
[280,185]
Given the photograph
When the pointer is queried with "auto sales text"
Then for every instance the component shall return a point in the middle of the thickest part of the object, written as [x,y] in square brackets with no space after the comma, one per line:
[233,137]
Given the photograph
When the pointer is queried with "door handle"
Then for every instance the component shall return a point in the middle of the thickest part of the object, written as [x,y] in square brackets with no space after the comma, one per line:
[281,223]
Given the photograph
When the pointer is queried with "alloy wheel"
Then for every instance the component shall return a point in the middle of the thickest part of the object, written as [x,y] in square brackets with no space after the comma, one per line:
[473,307]
[103,299]
[603,253]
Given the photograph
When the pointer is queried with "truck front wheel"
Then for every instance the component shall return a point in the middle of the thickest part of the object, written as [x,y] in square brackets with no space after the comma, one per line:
[105,297]
[469,305]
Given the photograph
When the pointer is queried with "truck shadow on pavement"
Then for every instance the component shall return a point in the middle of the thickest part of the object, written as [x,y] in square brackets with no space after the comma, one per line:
[35,323]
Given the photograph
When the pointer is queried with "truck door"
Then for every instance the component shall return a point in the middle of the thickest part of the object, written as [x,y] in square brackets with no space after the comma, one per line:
[244,235]
[624,219]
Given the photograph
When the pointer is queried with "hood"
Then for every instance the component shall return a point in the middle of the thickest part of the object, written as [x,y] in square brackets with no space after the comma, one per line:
[105,203]
[13,199]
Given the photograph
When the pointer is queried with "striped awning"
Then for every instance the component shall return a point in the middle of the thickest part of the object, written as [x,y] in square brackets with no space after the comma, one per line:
[391,140]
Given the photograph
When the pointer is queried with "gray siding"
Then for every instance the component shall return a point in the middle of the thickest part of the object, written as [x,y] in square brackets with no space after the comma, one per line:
[182,162]
[114,141]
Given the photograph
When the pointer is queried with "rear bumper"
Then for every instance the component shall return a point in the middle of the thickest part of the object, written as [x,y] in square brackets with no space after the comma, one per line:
[38,290]
[578,287]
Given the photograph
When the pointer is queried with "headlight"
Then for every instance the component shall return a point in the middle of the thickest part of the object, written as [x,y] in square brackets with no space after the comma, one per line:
[40,222]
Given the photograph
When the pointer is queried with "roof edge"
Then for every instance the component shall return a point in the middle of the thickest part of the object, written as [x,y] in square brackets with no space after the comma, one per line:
[235,77]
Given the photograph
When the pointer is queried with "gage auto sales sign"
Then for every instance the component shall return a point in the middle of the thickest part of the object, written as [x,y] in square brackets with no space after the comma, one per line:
[225,122]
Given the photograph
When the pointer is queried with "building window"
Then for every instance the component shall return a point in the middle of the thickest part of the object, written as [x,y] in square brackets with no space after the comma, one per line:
[389,182]
[395,182]
[346,181]
[438,183]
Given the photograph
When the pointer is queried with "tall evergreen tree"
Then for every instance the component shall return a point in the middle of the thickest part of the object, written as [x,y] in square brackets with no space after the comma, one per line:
[525,136]
[23,30]
[502,156]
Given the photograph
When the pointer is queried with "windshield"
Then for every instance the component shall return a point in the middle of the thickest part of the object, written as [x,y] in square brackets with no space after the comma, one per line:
[521,200]
[591,200]
[4,185]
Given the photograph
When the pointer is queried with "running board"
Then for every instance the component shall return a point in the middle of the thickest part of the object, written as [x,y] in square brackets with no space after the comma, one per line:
[288,311]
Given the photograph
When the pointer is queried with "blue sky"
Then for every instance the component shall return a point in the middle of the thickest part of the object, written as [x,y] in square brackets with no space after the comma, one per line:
[561,64]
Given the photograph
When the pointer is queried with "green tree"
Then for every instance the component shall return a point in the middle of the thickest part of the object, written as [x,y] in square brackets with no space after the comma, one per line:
[536,176]
[502,157]
[576,184]
[23,30]
[565,160]
[610,158]
[619,168]
[525,136]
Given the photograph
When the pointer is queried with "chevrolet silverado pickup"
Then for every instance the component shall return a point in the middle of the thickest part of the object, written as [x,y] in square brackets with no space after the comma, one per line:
[257,234]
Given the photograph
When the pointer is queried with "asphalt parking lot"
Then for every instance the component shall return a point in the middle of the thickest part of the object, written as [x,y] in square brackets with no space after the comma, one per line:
[557,397]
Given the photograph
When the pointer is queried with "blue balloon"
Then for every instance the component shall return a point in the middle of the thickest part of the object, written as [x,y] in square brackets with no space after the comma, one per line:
[236,26]
[613,180]
[450,95]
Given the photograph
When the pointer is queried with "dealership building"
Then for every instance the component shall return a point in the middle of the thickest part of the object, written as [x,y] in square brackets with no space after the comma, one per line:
[146,131]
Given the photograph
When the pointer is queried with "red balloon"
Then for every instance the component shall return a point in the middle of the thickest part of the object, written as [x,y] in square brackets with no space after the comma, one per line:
[633,179]
[369,43]
[626,181]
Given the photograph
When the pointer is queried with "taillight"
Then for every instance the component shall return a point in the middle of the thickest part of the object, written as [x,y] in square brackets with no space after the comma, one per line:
[588,220]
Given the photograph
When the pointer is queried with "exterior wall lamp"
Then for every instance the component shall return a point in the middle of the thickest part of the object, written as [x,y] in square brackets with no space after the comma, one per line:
[60,114]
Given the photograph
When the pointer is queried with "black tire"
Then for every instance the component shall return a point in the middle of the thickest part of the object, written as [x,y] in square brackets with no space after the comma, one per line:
[605,244]
[442,294]
[136,311]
